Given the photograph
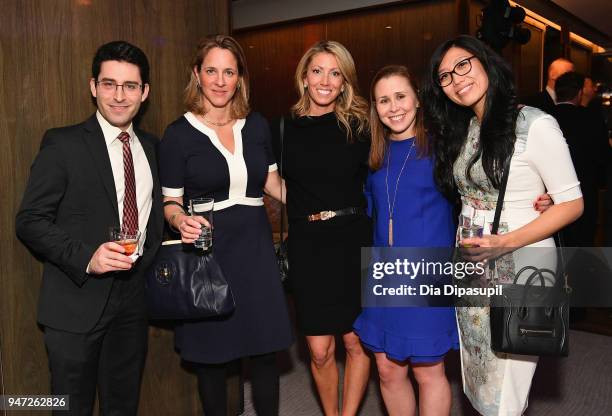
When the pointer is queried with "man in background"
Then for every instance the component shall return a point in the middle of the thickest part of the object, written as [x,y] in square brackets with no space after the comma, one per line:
[545,100]
[589,91]
[587,145]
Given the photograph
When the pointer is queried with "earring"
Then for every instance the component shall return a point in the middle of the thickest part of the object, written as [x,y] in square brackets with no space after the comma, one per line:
[238,86]
[305,86]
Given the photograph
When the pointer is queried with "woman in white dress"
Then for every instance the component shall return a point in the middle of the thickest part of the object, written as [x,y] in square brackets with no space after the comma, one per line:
[477,124]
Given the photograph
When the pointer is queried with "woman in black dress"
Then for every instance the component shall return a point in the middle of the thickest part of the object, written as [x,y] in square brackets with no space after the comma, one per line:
[325,153]
[221,149]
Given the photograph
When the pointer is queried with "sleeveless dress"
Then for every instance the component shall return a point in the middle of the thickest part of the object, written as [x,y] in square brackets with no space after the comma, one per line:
[422,218]
[499,383]
[194,163]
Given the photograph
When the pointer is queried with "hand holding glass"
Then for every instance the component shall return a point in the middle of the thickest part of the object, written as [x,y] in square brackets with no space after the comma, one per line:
[472,231]
[471,227]
[201,210]
[125,238]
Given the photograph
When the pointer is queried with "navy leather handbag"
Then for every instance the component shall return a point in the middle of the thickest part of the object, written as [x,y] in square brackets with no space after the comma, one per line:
[185,283]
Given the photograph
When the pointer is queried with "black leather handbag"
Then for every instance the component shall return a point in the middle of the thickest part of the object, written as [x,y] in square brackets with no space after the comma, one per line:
[184,283]
[530,318]
[282,255]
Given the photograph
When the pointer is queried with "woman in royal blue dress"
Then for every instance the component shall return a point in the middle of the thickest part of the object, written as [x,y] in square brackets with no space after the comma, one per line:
[408,211]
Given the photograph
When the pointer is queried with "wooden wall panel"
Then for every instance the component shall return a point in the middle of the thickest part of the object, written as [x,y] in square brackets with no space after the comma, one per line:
[272,56]
[475,18]
[530,70]
[581,57]
[46,48]
[406,34]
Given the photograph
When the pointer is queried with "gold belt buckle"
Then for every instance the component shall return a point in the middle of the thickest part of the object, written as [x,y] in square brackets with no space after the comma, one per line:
[325,215]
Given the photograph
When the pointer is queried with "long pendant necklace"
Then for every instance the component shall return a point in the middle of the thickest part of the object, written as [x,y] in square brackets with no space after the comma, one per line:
[391,205]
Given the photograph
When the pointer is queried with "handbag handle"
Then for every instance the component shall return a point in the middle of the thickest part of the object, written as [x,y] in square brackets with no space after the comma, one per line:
[498,208]
[500,196]
[282,209]
[535,273]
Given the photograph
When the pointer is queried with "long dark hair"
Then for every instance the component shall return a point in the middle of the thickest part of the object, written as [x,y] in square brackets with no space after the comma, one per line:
[448,122]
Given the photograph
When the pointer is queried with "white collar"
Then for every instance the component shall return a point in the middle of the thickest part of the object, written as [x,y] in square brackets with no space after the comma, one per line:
[111,132]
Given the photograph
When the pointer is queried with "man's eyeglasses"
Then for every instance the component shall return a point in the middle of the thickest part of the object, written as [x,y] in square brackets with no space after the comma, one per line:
[109,87]
[461,68]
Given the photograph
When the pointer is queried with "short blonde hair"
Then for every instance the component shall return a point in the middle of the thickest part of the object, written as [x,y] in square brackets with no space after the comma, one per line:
[351,109]
[239,107]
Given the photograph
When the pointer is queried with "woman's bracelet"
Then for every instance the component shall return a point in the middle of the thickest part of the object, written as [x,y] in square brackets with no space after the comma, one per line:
[172,217]
[178,204]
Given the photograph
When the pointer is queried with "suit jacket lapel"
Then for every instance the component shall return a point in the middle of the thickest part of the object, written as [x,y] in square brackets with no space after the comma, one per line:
[97,146]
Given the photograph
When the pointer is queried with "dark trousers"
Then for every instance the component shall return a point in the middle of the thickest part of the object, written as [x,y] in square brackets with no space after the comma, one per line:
[264,377]
[110,357]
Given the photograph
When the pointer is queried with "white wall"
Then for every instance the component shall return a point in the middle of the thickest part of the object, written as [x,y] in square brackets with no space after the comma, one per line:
[247,13]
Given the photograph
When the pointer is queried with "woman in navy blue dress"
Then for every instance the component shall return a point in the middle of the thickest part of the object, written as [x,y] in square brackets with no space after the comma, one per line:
[222,150]
[408,212]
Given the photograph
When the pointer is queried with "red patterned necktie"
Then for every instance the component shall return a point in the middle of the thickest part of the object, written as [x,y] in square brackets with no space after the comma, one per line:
[130,208]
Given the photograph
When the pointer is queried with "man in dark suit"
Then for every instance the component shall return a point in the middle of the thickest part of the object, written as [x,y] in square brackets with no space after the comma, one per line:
[545,100]
[85,179]
[587,143]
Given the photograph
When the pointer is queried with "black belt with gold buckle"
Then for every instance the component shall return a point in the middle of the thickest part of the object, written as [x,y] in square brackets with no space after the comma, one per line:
[326,215]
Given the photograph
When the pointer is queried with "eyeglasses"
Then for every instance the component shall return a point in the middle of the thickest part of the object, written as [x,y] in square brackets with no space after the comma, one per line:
[462,67]
[109,87]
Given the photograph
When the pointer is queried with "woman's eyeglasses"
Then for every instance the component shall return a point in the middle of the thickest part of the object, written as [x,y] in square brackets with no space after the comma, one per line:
[461,68]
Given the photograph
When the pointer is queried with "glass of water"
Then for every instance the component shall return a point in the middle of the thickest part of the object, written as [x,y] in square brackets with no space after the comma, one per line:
[472,231]
[470,227]
[203,207]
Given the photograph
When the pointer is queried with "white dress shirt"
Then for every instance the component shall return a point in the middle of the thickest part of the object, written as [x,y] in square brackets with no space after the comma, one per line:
[142,174]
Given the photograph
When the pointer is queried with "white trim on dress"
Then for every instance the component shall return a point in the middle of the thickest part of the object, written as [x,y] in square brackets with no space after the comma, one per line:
[235,163]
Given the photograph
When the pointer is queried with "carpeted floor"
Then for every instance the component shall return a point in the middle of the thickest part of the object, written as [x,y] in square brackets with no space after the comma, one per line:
[580,385]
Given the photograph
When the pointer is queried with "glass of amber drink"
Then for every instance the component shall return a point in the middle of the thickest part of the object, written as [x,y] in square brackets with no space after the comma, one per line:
[128,239]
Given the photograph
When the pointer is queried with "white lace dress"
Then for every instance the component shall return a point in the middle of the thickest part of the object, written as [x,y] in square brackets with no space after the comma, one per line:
[498,384]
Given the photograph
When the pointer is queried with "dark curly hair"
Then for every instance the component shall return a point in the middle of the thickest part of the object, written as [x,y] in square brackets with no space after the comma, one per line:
[448,122]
